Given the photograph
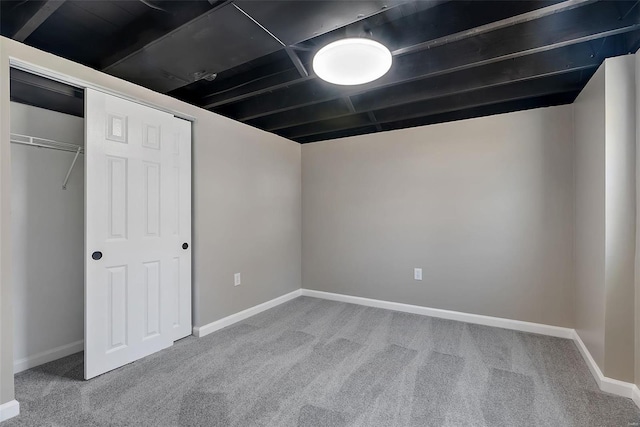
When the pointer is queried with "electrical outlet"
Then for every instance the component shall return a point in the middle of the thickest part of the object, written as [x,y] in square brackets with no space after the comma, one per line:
[237,279]
[417,274]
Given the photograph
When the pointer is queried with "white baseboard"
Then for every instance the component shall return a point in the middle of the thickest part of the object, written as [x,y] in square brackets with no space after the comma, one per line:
[605,384]
[636,395]
[9,410]
[200,331]
[478,319]
[47,356]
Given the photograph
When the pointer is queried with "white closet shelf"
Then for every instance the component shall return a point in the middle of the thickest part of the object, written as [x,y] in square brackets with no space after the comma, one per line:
[46,143]
[34,141]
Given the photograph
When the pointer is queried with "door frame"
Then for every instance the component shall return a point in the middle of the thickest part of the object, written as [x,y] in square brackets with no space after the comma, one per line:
[83,84]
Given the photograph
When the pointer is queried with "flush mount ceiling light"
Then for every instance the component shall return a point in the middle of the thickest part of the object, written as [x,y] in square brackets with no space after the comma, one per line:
[352,61]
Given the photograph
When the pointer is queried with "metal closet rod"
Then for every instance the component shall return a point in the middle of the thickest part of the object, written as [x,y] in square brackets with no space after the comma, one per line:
[52,145]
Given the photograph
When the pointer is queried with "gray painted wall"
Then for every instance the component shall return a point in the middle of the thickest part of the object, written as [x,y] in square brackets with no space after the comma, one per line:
[6,312]
[47,234]
[620,212]
[637,262]
[605,217]
[484,206]
[247,205]
[34,121]
[589,116]
[247,218]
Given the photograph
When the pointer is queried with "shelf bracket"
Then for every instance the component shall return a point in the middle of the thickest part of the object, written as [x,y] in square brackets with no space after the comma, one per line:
[75,159]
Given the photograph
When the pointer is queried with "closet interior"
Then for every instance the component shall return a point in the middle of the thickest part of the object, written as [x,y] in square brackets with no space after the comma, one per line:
[47,167]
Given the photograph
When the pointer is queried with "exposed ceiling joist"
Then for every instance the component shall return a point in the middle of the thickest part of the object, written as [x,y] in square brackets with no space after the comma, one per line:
[498,46]
[453,59]
[493,26]
[259,87]
[168,22]
[35,20]
[294,22]
[217,100]
[486,96]
[467,113]
[565,60]
[156,63]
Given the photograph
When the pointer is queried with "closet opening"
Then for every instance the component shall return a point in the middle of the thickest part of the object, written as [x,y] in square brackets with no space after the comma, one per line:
[48,219]
[101,226]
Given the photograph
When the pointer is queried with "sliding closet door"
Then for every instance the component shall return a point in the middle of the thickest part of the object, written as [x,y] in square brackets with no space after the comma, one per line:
[137,254]
[181,228]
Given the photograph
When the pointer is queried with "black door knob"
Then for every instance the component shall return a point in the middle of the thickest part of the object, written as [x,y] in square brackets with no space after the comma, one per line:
[96,255]
[185,245]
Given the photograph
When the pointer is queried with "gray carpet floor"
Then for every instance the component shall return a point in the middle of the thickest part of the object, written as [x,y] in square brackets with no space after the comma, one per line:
[311,362]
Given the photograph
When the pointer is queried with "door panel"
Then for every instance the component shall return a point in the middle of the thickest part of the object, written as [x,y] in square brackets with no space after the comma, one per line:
[152,299]
[117,300]
[131,218]
[151,179]
[117,184]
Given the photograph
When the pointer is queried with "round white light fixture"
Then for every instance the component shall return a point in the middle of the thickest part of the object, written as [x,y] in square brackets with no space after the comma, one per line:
[352,61]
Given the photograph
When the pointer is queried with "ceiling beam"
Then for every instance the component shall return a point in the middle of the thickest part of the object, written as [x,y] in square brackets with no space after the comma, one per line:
[493,26]
[561,98]
[485,110]
[570,82]
[633,42]
[37,19]
[267,70]
[503,45]
[265,85]
[255,83]
[186,13]
[216,100]
[565,60]
[153,26]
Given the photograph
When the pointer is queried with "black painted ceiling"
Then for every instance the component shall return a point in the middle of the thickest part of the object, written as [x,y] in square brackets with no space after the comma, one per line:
[250,60]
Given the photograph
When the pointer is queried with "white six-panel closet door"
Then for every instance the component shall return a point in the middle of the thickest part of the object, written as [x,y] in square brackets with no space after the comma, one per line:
[138,231]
